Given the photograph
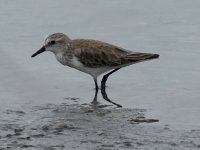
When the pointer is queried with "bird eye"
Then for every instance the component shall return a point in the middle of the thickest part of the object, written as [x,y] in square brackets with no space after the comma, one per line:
[53,42]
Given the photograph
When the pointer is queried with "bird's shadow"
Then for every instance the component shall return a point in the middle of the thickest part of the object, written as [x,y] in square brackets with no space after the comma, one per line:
[95,103]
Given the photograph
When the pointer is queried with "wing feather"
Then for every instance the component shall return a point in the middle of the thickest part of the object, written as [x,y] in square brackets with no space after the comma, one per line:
[94,53]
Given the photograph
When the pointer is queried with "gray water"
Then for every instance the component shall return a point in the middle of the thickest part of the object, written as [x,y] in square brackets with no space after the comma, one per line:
[38,94]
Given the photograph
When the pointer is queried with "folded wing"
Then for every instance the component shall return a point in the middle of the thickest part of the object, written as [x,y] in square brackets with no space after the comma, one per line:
[94,53]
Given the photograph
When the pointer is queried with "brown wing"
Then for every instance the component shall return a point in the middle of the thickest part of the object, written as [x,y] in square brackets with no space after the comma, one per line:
[94,53]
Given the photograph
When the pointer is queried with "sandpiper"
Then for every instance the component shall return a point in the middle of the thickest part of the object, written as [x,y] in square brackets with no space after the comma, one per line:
[91,56]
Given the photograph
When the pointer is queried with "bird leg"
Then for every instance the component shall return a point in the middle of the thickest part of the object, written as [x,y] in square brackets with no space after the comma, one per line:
[105,77]
[104,94]
[103,90]
[94,102]
[96,84]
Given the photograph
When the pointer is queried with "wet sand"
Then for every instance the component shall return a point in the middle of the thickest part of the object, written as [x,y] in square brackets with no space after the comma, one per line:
[71,125]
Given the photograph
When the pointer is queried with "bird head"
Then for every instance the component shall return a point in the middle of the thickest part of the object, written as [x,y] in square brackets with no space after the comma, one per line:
[54,43]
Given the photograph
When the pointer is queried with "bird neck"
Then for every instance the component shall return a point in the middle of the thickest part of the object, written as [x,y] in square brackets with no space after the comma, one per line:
[63,57]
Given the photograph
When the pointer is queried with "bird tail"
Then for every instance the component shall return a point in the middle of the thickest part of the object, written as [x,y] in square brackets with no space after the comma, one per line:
[138,57]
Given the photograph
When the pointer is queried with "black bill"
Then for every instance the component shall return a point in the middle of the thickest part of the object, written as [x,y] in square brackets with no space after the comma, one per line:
[41,50]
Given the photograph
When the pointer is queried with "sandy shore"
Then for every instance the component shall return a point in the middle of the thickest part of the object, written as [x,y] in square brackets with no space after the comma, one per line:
[71,125]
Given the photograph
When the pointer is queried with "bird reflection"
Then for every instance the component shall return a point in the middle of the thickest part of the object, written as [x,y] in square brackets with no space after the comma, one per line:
[105,96]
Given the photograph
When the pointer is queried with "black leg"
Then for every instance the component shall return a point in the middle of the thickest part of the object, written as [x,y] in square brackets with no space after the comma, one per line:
[94,102]
[96,84]
[105,77]
[104,94]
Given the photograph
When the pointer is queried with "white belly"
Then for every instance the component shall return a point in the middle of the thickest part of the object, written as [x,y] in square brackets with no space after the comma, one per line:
[75,63]
[92,71]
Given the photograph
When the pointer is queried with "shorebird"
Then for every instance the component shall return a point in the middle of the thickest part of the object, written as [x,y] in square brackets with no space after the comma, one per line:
[91,56]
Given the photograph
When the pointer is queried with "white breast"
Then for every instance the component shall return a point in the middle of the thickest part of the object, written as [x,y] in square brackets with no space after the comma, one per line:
[75,63]
[60,58]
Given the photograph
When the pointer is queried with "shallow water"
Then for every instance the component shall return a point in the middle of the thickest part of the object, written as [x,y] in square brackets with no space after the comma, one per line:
[167,89]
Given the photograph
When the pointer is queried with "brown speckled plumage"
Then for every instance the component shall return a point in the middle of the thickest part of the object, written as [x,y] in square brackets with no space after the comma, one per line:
[91,56]
[93,53]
